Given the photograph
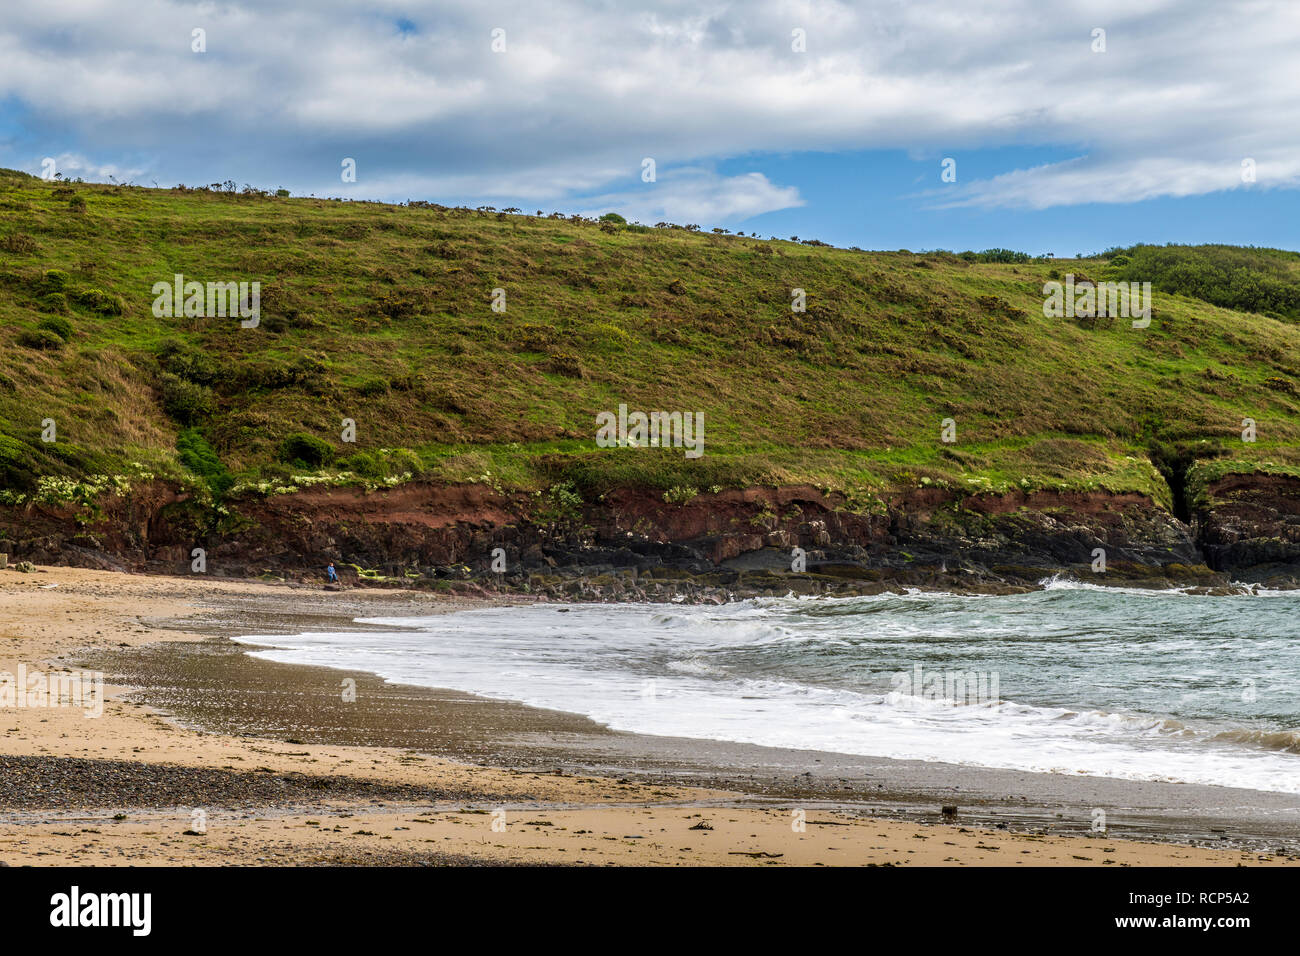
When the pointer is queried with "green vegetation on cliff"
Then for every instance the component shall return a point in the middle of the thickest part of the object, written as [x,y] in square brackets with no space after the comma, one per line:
[1251,280]
[383,315]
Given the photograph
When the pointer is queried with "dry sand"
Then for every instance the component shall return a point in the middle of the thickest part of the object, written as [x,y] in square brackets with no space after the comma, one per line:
[132,787]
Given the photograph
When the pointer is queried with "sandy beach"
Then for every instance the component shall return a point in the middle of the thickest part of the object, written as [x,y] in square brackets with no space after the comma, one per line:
[284,772]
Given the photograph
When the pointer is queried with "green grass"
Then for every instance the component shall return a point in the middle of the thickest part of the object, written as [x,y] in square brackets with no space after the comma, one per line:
[382,314]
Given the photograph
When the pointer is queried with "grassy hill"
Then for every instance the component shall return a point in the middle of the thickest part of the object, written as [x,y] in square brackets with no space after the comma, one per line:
[382,314]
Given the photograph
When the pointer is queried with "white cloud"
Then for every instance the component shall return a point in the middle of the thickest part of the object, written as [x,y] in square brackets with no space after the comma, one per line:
[1184,91]
[76,166]
[1119,180]
[696,196]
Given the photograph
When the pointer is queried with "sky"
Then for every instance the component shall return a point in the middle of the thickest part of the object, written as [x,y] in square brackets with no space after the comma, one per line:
[1059,127]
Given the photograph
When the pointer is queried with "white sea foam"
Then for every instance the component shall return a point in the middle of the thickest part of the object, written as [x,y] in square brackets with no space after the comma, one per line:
[1102,681]
[1062,581]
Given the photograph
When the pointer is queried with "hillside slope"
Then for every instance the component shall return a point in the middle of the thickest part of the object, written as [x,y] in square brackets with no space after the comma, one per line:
[383,315]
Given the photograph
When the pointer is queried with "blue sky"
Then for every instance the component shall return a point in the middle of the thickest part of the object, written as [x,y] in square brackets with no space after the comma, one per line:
[823,119]
[888,200]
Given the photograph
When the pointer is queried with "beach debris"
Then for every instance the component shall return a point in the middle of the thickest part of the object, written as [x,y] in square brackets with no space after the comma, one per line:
[948,810]
[756,854]
[702,825]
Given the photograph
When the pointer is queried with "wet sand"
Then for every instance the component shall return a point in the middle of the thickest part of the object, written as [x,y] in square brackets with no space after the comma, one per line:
[286,772]
[215,684]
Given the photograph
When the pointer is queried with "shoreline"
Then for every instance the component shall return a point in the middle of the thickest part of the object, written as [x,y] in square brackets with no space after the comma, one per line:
[504,757]
[514,735]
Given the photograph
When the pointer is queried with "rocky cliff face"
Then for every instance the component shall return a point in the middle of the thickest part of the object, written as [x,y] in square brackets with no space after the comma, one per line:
[632,544]
[1253,526]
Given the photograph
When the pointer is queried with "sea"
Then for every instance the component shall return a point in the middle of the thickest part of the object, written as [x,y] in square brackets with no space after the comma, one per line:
[1070,679]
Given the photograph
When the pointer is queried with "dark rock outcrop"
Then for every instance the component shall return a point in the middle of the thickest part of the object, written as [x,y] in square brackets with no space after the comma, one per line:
[632,545]
[1252,527]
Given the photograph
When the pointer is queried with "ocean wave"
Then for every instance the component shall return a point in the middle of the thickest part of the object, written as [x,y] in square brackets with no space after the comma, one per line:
[1065,581]
[1284,741]
[695,666]
[1258,590]
[1091,679]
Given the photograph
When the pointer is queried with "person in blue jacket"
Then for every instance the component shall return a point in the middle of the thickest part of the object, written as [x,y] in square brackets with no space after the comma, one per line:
[333,575]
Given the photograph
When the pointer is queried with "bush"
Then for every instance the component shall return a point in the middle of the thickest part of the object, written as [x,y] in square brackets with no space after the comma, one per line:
[302,448]
[402,460]
[566,364]
[18,466]
[397,306]
[302,371]
[176,358]
[100,301]
[372,386]
[55,280]
[1280,384]
[201,458]
[613,217]
[40,339]
[1244,279]
[276,471]
[53,302]
[561,504]
[366,465]
[59,326]
[186,402]
[532,338]
[1010,256]
[282,193]
[19,243]
[77,204]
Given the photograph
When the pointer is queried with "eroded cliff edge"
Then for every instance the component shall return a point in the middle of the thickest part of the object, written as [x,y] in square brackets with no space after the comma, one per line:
[632,544]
